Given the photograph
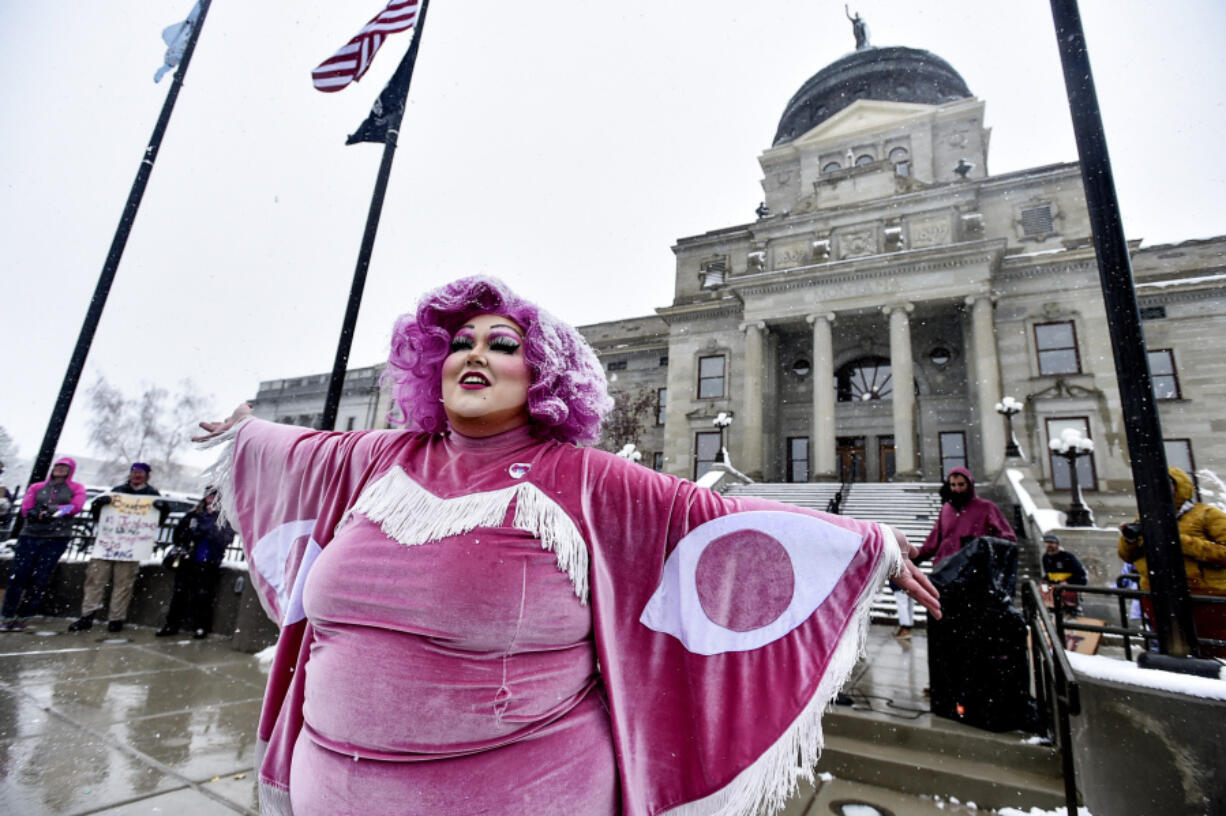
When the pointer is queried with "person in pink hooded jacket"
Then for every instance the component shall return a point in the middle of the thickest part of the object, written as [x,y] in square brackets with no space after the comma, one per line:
[963,515]
[48,509]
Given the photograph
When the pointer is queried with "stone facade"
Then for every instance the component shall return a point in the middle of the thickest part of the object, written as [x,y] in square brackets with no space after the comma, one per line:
[892,292]
[300,400]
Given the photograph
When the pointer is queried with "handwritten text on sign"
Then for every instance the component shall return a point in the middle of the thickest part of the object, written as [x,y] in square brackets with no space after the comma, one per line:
[127,529]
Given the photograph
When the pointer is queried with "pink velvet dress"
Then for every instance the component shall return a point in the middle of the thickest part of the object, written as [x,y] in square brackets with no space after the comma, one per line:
[456,677]
[515,626]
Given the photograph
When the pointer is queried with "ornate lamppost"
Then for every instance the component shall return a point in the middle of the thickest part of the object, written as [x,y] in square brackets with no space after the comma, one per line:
[1007,407]
[1072,446]
[722,421]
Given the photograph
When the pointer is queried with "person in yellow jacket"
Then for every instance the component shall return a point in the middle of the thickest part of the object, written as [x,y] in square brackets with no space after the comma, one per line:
[1202,537]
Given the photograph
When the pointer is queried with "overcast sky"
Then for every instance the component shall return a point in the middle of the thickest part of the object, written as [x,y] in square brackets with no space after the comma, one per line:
[563,146]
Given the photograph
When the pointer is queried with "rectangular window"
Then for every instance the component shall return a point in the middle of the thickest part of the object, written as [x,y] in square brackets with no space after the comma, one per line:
[661,404]
[617,365]
[1086,473]
[1162,374]
[664,361]
[657,461]
[711,377]
[1153,312]
[1056,344]
[1179,454]
[706,447]
[349,423]
[953,451]
[798,459]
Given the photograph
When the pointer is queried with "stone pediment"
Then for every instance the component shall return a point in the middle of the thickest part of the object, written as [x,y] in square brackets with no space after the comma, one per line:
[861,116]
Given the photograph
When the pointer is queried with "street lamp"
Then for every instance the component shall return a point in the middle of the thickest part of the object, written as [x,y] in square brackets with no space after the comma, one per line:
[722,421]
[1007,407]
[1072,446]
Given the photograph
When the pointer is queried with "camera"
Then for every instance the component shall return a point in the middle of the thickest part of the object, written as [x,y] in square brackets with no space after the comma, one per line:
[1132,529]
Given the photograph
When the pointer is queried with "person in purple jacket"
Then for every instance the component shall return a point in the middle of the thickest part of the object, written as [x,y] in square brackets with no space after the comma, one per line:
[963,515]
[48,509]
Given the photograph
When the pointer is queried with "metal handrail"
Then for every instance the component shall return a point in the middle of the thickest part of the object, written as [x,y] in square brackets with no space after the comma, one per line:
[1124,630]
[1055,684]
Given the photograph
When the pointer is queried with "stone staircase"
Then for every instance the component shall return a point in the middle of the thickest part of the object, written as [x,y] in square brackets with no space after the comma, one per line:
[936,757]
[910,506]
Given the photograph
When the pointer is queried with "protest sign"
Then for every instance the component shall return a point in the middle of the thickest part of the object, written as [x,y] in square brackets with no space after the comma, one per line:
[127,528]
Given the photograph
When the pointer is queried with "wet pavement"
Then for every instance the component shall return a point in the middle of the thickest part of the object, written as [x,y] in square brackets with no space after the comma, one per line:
[94,723]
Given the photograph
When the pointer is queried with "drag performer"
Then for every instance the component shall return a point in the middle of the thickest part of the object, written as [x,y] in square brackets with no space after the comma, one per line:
[479,616]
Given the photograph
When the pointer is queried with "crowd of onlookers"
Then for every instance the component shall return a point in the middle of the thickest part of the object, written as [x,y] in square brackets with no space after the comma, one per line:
[44,529]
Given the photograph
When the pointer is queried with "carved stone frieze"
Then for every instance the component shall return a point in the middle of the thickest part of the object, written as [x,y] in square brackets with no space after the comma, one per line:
[857,243]
[929,231]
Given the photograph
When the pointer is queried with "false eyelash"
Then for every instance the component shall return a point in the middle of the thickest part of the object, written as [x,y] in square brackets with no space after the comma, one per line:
[506,345]
[461,343]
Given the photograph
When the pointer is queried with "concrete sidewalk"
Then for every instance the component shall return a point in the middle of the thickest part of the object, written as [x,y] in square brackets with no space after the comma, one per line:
[93,723]
[125,724]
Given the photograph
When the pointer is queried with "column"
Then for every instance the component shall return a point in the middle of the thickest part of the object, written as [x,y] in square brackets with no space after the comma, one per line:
[750,418]
[987,379]
[822,438]
[902,372]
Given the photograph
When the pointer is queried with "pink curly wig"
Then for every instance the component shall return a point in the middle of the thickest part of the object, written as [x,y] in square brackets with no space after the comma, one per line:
[568,397]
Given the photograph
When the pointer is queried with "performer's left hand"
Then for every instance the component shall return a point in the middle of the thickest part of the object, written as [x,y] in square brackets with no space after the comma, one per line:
[912,579]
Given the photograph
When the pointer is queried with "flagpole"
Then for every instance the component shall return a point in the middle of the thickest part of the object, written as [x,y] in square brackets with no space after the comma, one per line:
[85,339]
[400,82]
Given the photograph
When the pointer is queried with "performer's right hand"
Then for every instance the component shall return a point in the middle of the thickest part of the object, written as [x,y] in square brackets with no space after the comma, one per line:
[216,429]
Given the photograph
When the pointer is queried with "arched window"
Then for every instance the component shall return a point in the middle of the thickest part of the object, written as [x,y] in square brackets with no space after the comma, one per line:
[899,154]
[831,167]
[864,159]
[864,379]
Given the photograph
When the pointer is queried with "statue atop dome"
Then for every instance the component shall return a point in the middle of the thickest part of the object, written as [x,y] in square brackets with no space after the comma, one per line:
[859,28]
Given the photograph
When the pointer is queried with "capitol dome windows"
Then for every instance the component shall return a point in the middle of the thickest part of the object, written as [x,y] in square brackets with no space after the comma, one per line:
[863,159]
[831,167]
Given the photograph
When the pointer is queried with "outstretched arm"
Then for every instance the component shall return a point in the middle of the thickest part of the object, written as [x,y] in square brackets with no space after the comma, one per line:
[216,429]
[912,579]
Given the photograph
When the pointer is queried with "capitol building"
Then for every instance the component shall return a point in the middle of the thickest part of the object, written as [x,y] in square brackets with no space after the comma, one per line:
[890,293]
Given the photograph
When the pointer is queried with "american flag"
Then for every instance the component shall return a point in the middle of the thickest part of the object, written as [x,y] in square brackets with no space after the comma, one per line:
[350,63]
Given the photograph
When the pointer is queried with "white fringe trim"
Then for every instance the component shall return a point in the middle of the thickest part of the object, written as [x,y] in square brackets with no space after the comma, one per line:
[220,474]
[766,785]
[274,801]
[412,515]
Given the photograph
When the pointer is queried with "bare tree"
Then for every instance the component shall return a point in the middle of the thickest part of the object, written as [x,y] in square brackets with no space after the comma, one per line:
[153,427]
[16,471]
[633,408]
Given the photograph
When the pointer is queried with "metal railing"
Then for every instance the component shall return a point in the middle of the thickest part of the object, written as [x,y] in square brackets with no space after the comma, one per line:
[1148,636]
[1056,690]
[82,543]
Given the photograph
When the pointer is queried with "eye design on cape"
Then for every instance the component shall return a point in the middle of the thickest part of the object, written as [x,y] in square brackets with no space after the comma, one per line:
[745,580]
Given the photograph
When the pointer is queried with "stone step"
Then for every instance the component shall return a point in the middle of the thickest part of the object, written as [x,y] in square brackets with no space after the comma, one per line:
[929,734]
[986,784]
[938,758]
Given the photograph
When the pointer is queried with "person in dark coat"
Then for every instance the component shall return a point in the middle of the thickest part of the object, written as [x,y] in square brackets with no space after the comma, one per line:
[201,543]
[1062,567]
[48,509]
[120,574]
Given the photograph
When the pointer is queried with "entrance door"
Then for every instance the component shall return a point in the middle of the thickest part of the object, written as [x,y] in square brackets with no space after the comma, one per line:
[851,458]
[885,458]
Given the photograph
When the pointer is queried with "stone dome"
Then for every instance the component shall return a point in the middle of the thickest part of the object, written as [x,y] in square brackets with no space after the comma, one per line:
[893,74]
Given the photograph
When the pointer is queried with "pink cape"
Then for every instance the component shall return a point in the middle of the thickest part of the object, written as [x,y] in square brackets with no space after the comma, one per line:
[723,626]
